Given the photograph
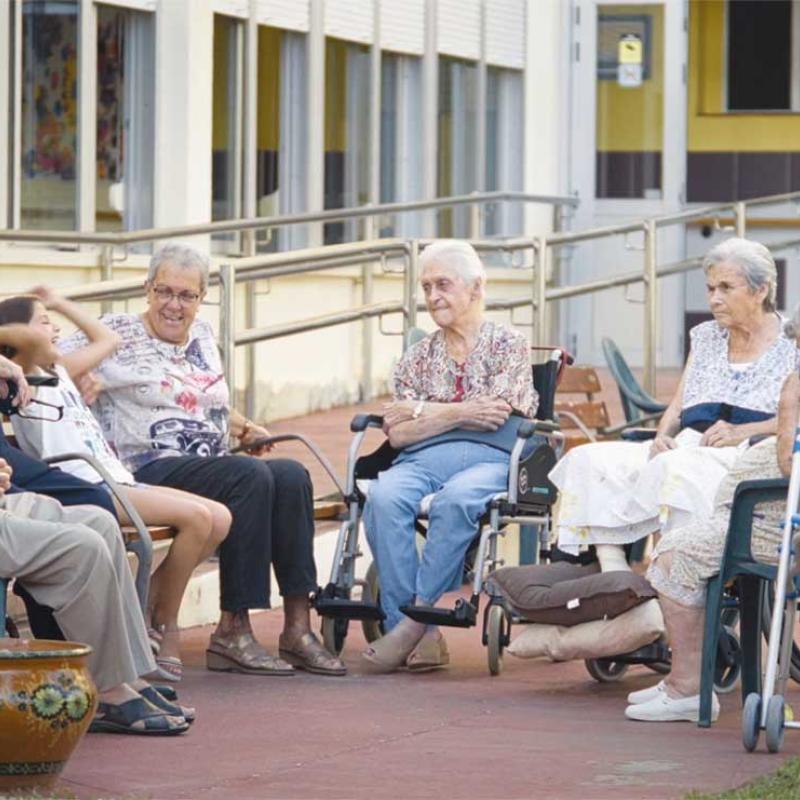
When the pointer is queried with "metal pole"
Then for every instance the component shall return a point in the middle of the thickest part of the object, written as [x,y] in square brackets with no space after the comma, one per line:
[410,299]
[227,325]
[366,325]
[540,291]
[475,220]
[740,210]
[106,272]
[650,305]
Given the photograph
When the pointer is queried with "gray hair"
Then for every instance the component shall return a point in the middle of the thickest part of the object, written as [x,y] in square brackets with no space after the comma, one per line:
[455,255]
[182,256]
[792,326]
[753,259]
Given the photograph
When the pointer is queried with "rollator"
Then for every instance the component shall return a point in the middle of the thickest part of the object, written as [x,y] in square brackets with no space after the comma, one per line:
[767,711]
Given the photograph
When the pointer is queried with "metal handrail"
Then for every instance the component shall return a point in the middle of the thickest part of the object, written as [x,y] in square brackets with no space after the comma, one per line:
[123,238]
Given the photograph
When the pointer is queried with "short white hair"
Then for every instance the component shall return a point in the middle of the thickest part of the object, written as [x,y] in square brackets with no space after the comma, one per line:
[753,259]
[183,256]
[455,255]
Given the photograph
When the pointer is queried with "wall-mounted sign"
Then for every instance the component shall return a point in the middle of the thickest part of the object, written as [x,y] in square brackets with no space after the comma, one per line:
[629,61]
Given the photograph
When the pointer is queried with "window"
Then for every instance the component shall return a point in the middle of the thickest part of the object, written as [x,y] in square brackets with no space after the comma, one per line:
[401,153]
[346,133]
[457,145]
[125,117]
[504,148]
[49,115]
[763,53]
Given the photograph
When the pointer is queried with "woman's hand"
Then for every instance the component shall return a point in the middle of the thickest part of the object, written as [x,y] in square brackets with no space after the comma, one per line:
[723,434]
[484,413]
[252,434]
[90,386]
[661,444]
[5,476]
[396,412]
[47,296]
[9,371]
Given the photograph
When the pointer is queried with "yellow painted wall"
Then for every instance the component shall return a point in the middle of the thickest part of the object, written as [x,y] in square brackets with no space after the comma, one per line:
[221,90]
[632,119]
[710,128]
[269,74]
[335,95]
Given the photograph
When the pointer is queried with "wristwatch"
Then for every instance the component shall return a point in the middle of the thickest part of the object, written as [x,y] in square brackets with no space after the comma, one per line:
[418,409]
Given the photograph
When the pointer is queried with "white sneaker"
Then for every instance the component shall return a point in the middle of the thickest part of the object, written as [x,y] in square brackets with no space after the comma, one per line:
[664,708]
[645,695]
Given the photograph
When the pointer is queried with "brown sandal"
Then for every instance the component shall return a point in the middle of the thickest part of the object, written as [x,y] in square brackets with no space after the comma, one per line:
[431,653]
[243,654]
[309,654]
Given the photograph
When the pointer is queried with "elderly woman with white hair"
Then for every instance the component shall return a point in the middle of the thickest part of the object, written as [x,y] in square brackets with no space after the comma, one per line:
[465,378]
[614,493]
[687,557]
[165,406]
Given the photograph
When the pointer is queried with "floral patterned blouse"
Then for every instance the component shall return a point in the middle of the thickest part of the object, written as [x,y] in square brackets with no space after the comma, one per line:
[498,366]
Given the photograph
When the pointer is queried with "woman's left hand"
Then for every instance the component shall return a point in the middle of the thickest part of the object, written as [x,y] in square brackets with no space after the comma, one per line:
[254,433]
[397,412]
[723,434]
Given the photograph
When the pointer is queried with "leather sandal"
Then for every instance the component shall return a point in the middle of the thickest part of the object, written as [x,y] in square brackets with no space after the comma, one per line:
[309,654]
[159,701]
[431,653]
[138,717]
[243,654]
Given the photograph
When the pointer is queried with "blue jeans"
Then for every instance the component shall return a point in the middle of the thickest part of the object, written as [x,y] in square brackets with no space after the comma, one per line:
[464,476]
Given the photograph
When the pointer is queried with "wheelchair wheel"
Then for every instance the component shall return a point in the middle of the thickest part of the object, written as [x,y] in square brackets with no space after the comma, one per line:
[774,728]
[495,637]
[728,665]
[751,721]
[334,632]
[373,629]
[766,620]
[605,670]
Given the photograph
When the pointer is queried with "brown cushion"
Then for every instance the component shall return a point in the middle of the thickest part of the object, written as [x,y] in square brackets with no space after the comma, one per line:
[566,594]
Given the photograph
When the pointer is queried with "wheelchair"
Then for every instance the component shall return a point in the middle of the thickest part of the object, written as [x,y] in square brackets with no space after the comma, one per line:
[528,500]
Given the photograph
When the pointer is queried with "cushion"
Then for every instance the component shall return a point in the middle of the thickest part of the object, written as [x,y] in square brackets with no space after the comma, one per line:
[600,638]
[568,594]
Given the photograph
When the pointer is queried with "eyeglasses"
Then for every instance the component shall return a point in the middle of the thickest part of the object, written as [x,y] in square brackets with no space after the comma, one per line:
[166,295]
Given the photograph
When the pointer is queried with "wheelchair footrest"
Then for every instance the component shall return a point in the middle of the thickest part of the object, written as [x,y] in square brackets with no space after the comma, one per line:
[341,608]
[464,615]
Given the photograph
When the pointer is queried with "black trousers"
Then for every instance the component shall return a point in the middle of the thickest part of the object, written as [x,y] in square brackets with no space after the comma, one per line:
[272,504]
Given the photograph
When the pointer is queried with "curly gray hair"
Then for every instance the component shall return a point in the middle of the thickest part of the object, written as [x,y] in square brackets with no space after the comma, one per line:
[180,255]
[753,259]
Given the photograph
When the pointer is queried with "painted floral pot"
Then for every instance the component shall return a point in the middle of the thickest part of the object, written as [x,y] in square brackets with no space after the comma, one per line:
[47,700]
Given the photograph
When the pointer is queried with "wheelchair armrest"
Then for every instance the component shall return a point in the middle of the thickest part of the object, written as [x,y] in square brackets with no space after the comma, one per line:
[361,422]
[638,434]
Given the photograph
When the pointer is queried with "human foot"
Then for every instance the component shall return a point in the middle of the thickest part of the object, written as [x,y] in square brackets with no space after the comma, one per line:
[391,651]
[430,653]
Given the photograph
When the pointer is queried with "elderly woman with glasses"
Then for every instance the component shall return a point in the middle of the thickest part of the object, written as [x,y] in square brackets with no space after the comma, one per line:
[165,407]
[614,493]
[451,389]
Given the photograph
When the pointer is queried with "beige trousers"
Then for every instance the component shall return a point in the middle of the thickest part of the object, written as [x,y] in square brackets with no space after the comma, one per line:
[73,560]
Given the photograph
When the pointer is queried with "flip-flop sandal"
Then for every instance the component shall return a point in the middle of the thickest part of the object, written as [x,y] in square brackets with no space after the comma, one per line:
[159,701]
[430,654]
[155,640]
[171,666]
[125,717]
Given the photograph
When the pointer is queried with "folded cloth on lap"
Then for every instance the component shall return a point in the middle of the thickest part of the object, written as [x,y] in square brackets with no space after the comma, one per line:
[569,594]
[600,638]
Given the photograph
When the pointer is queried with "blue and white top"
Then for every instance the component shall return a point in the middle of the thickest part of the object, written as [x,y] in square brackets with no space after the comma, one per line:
[716,389]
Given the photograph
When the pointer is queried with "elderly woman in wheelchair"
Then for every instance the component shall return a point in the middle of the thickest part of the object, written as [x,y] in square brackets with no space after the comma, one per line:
[685,559]
[455,392]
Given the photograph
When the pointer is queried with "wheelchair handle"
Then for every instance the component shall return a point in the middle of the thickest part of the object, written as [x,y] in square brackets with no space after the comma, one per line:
[361,422]
[544,426]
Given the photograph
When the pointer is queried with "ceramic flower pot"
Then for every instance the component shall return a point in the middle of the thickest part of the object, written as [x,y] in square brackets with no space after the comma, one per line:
[47,700]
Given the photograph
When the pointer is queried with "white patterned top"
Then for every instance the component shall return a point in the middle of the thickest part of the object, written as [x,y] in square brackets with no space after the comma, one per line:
[711,378]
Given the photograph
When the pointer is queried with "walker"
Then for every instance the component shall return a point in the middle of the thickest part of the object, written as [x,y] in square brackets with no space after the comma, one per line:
[767,710]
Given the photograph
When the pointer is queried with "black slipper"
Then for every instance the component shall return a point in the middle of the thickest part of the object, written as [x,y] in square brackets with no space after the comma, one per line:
[167,692]
[156,697]
[122,718]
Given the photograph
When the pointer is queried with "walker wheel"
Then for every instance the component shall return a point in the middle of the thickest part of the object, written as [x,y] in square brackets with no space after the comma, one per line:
[729,663]
[774,724]
[334,632]
[751,721]
[373,628]
[495,625]
[605,670]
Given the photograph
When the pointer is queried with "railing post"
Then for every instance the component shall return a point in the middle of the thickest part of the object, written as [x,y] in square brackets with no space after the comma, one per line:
[250,317]
[740,210]
[410,289]
[540,253]
[366,324]
[106,272]
[650,305]
[227,326]
[475,219]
